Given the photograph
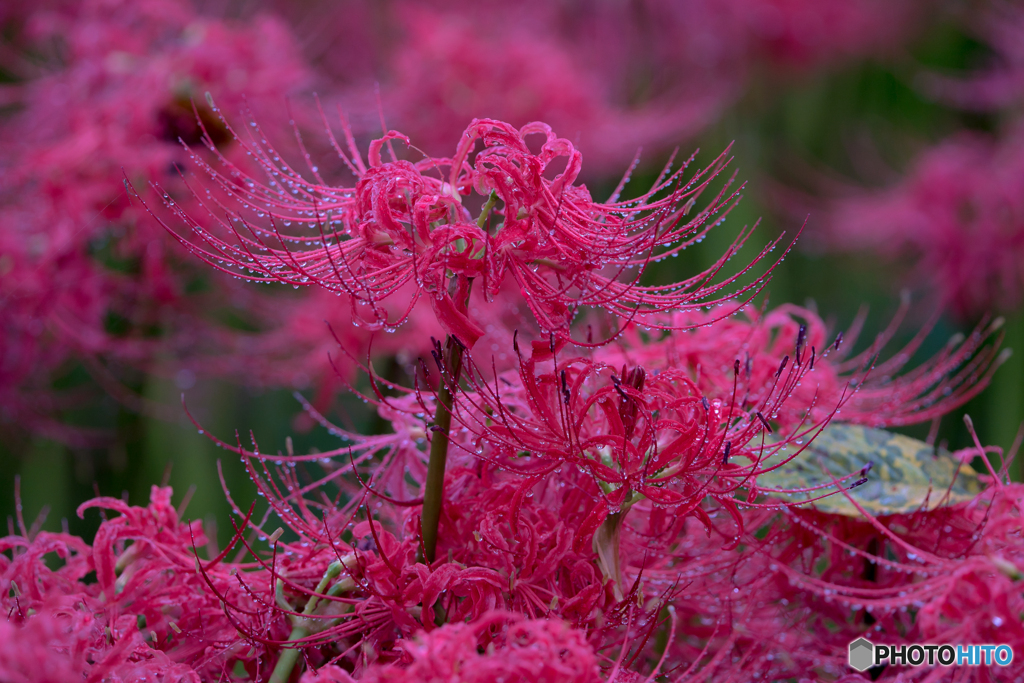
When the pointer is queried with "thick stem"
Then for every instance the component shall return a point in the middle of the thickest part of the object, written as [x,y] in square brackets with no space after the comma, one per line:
[286,662]
[433,493]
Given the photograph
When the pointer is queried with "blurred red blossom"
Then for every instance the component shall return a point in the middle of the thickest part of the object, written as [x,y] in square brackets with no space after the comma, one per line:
[109,92]
[999,83]
[956,212]
[958,215]
[612,77]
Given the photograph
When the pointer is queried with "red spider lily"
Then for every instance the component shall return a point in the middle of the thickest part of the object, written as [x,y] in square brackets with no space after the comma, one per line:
[794,594]
[872,387]
[406,222]
[148,611]
[653,437]
[498,646]
[648,442]
[950,575]
[62,642]
[382,595]
[666,425]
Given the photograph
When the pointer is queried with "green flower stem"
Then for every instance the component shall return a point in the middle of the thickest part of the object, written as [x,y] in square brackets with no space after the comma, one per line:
[301,626]
[433,493]
[492,199]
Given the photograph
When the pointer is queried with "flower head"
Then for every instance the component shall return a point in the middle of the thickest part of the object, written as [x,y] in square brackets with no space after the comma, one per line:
[406,222]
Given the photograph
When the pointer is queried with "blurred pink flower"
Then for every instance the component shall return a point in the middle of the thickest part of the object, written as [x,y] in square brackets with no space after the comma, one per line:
[999,84]
[958,216]
[807,33]
[612,77]
[109,93]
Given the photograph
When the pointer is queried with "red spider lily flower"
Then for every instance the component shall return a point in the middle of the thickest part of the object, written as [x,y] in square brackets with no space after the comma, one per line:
[667,437]
[131,606]
[406,222]
[62,643]
[804,584]
[872,387]
[674,423]
[638,435]
[946,575]
[505,550]
[498,646]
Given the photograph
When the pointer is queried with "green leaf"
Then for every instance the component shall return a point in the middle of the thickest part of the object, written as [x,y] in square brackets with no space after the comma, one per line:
[906,474]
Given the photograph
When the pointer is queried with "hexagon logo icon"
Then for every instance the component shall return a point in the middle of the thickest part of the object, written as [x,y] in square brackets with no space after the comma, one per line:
[862,654]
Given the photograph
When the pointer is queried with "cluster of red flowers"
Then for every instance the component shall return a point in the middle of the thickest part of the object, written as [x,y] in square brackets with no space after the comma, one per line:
[591,478]
[108,89]
[598,497]
[598,525]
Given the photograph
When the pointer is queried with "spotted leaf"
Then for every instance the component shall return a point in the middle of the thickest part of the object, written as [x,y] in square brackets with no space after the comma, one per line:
[903,474]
